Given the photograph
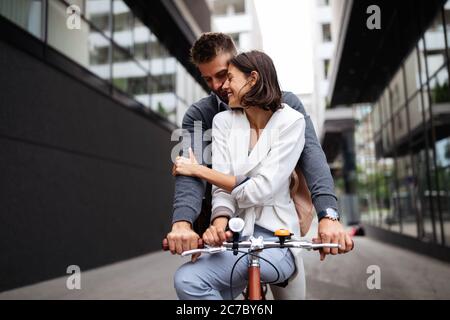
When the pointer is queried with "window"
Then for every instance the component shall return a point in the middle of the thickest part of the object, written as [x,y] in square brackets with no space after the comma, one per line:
[228,7]
[326,32]
[123,21]
[326,67]
[141,51]
[235,37]
[156,50]
[98,55]
[435,45]
[26,14]
[162,83]
[101,21]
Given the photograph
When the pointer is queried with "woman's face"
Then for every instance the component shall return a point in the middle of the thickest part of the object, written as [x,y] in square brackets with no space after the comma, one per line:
[236,86]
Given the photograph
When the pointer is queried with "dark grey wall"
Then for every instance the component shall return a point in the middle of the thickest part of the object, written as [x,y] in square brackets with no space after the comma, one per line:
[82,179]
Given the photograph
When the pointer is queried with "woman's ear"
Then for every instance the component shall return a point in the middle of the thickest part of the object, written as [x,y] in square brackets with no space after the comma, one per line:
[254,76]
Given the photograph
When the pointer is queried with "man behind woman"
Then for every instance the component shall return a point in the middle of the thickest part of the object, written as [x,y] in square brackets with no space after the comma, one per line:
[211,53]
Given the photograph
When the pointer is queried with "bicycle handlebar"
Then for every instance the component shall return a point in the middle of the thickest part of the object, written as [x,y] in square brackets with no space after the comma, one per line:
[247,244]
[267,245]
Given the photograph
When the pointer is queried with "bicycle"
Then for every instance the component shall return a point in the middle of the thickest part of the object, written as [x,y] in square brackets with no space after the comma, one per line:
[255,290]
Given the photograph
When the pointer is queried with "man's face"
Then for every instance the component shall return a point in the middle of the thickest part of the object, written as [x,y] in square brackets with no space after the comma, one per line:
[215,73]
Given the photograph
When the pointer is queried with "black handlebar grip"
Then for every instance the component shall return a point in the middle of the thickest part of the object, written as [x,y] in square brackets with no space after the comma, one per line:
[165,244]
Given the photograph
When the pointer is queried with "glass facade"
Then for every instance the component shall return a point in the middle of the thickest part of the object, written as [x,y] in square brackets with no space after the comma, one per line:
[27,14]
[113,44]
[404,186]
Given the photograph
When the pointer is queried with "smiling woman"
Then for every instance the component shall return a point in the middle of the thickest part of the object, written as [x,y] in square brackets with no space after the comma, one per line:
[256,70]
[254,186]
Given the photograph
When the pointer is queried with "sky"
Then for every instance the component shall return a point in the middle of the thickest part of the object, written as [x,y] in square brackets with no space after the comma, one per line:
[286,29]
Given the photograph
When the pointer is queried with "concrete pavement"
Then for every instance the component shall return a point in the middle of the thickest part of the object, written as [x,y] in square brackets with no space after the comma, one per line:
[404,275]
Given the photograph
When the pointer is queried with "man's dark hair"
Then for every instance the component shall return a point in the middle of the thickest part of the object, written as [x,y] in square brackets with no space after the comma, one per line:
[266,92]
[209,45]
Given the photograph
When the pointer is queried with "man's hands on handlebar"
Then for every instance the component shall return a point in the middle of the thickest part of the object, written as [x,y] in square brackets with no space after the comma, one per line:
[333,232]
[182,238]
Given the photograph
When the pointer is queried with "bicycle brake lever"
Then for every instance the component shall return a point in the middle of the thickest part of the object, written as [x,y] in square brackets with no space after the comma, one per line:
[313,246]
[318,246]
[210,250]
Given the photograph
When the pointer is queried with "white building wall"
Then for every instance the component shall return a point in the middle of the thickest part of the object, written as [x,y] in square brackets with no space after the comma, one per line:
[307,100]
[62,38]
[244,26]
[323,50]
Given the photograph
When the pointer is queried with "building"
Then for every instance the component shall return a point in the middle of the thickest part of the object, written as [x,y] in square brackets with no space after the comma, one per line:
[238,19]
[399,71]
[334,127]
[323,46]
[91,92]
[307,101]
[172,88]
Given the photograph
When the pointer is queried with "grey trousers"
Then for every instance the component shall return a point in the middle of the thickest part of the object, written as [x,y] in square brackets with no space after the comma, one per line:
[209,277]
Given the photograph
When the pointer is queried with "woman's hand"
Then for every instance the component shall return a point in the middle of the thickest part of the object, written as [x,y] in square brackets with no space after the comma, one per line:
[186,166]
[216,235]
[190,167]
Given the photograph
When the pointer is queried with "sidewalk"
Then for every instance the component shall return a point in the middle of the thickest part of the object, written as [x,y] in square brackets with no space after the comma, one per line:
[404,275]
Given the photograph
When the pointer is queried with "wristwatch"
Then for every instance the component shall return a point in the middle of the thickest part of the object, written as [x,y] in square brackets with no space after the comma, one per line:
[328,213]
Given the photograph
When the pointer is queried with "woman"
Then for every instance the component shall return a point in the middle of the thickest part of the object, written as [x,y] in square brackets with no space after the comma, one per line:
[255,147]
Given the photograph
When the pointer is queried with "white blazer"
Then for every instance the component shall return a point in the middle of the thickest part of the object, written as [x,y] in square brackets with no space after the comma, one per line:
[264,199]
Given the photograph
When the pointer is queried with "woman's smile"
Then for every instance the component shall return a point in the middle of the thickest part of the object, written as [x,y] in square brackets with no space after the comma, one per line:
[236,86]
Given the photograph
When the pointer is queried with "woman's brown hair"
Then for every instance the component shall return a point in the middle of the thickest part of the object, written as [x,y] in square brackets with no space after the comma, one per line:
[266,92]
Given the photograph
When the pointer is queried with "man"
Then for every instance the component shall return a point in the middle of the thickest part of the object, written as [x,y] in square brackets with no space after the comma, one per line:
[211,54]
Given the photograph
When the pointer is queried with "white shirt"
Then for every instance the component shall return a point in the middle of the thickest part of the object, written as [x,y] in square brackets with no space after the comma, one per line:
[263,199]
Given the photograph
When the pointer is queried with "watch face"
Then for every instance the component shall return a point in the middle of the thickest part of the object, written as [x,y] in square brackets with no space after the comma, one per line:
[332,213]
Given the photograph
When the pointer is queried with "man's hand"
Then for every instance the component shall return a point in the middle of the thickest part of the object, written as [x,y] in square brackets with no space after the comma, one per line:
[333,232]
[215,235]
[183,238]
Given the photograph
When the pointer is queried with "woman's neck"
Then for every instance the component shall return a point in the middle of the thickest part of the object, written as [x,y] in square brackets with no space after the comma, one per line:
[258,117]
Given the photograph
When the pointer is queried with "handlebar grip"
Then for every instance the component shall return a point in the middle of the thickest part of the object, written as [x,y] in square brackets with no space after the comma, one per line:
[165,244]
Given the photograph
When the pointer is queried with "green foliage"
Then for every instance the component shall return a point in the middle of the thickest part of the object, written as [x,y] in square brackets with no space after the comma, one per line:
[441,93]
[374,183]
[162,111]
